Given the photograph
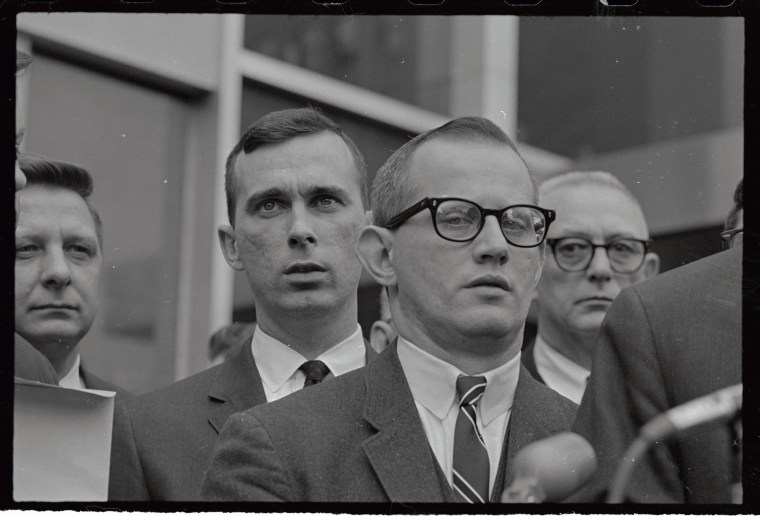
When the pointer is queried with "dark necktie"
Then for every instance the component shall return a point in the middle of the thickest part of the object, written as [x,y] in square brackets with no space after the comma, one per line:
[315,371]
[471,468]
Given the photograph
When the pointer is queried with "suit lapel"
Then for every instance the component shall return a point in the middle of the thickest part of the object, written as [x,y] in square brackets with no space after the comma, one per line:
[236,387]
[527,423]
[399,453]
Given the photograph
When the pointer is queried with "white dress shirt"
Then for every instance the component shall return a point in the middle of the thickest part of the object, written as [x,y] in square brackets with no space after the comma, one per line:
[72,379]
[559,372]
[278,364]
[433,385]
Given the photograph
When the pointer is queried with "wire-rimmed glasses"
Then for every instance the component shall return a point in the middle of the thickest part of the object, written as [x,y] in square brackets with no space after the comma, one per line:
[572,254]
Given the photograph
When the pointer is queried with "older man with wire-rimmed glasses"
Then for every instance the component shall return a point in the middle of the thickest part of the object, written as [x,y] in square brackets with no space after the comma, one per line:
[598,246]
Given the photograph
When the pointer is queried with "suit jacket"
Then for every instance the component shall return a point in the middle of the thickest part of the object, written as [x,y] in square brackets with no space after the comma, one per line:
[664,342]
[92,381]
[529,361]
[357,438]
[30,364]
[162,440]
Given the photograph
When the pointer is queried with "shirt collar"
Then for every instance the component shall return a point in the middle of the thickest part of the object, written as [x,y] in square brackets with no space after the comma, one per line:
[433,382]
[565,373]
[72,379]
[277,362]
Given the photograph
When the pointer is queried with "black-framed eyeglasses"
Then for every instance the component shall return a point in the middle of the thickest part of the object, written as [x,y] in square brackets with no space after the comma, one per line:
[460,220]
[574,254]
[732,237]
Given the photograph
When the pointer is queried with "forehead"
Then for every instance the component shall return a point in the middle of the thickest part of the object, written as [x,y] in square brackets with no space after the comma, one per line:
[594,210]
[46,212]
[490,174]
[321,159]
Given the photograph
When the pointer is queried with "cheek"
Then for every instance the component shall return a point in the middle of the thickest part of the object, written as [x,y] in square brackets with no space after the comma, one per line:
[24,281]
[257,247]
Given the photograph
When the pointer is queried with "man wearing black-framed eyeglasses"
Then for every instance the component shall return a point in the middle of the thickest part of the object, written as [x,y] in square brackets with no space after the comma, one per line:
[598,246]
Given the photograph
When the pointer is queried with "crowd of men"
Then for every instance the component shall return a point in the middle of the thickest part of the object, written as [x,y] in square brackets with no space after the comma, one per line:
[435,406]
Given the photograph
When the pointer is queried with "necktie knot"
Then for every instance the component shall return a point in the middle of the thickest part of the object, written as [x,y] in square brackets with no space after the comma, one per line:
[315,371]
[470,389]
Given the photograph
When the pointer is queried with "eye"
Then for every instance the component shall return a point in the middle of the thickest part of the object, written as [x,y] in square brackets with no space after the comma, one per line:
[572,247]
[623,246]
[326,202]
[80,251]
[25,251]
[269,207]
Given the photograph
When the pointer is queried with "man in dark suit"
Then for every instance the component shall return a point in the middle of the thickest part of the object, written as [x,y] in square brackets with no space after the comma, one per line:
[296,191]
[664,342]
[458,242]
[598,246]
[58,260]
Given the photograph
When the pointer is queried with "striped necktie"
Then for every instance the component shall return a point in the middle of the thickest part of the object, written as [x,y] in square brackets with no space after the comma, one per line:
[471,468]
[315,371]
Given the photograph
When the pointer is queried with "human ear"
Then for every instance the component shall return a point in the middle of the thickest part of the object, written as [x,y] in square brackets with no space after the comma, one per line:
[651,265]
[228,243]
[380,335]
[375,252]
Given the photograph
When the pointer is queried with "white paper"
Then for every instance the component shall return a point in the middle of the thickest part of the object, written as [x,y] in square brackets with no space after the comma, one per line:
[61,442]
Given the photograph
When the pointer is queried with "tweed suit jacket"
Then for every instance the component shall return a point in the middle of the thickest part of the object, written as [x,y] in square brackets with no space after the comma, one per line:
[162,440]
[357,438]
[664,342]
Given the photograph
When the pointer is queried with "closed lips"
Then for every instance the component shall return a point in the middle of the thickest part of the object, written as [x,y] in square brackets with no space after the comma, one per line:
[490,281]
[300,268]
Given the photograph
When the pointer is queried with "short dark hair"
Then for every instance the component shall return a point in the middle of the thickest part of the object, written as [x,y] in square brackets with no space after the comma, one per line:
[733,215]
[389,192]
[281,126]
[66,176]
[23,61]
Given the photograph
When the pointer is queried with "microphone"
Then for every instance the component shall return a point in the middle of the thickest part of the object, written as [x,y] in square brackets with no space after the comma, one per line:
[722,406]
[551,469]
[719,407]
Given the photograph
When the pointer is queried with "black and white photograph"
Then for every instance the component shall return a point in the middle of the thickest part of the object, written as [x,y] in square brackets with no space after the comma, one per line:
[410,259]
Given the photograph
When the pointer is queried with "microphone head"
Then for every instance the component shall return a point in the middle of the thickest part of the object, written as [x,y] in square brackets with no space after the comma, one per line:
[551,469]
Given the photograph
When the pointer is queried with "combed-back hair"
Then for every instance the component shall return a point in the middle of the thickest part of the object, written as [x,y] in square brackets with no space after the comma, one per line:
[281,126]
[733,215]
[23,61]
[66,176]
[390,194]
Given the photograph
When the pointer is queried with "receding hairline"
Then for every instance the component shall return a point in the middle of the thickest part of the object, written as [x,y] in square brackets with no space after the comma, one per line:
[348,156]
[91,210]
[473,139]
[578,181]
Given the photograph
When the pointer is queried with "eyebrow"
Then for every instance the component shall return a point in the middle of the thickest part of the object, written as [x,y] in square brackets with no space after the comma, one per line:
[277,192]
[255,198]
[335,191]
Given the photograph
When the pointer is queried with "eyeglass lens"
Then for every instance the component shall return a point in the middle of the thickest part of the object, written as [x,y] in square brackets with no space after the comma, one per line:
[461,221]
[575,254]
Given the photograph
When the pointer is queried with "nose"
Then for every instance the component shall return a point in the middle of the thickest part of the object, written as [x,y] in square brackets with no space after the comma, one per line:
[56,272]
[301,228]
[491,244]
[599,268]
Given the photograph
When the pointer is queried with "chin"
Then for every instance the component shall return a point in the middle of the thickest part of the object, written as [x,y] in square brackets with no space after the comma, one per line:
[490,326]
[589,322]
[310,301]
